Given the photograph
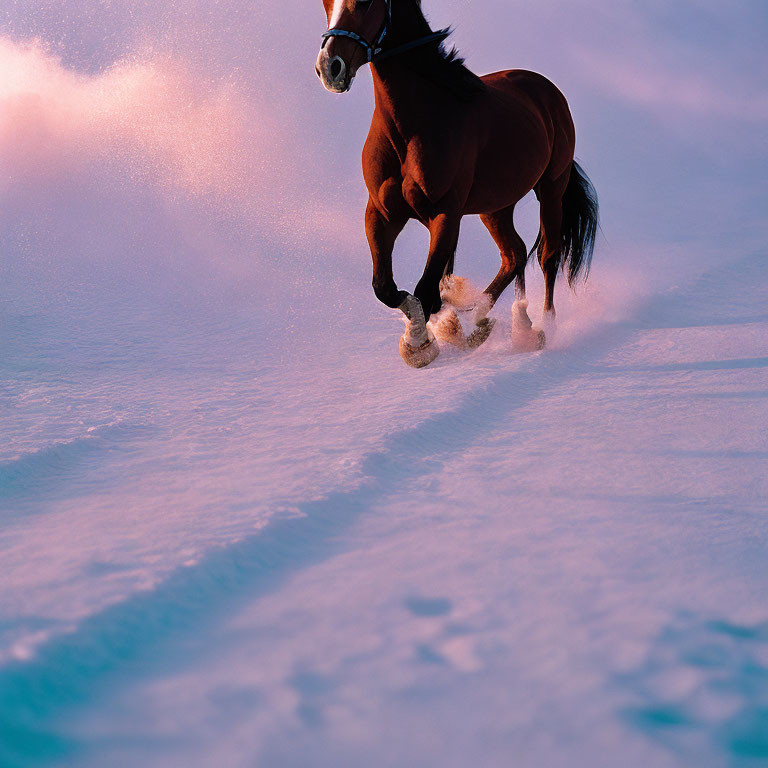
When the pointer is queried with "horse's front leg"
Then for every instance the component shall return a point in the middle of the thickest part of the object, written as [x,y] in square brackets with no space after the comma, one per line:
[426,302]
[443,239]
[417,347]
[382,233]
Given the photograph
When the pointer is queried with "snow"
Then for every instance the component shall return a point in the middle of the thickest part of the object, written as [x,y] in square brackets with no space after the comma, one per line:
[236,530]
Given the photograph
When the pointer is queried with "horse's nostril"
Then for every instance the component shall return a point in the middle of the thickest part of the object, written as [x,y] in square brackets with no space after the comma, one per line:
[336,68]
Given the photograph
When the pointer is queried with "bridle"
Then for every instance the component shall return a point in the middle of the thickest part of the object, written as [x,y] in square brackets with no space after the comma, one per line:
[375,52]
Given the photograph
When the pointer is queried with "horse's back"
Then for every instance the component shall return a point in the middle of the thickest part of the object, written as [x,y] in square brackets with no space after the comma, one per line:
[523,85]
[537,93]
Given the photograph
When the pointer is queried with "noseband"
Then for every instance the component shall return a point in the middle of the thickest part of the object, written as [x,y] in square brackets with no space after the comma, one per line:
[375,52]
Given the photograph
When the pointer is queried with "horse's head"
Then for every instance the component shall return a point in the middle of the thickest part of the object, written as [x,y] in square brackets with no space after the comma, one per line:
[356,29]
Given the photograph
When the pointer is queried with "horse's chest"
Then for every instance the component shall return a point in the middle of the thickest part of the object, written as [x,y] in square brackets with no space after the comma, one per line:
[404,197]
[410,180]
[416,199]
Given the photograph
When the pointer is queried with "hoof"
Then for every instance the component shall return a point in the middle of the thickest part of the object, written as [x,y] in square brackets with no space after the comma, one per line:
[481,333]
[531,340]
[447,328]
[520,320]
[549,325]
[419,357]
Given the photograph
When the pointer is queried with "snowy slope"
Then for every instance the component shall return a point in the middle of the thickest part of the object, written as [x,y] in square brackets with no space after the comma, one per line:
[236,530]
[564,563]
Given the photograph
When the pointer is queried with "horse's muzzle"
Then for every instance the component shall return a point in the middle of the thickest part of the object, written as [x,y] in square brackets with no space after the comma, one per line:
[333,72]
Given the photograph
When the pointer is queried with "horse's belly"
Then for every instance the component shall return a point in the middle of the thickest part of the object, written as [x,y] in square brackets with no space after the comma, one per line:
[499,184]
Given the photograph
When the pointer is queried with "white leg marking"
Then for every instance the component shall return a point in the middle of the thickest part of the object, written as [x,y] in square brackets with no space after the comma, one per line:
[415,327]
[520,319]
[549,325]
[483,306]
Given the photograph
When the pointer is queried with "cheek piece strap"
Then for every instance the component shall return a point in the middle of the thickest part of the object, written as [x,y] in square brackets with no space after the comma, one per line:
[375,52]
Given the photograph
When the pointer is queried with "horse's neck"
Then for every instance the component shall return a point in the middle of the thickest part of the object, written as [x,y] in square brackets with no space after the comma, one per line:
[403,98]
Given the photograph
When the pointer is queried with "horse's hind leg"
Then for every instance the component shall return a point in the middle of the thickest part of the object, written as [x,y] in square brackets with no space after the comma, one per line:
[514,254]
[550,195]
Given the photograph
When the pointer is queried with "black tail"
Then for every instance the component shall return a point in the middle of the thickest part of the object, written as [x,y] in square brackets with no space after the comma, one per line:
[581,218]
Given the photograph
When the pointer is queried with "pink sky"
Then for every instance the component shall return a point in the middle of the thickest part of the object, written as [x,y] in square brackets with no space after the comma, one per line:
[225,99]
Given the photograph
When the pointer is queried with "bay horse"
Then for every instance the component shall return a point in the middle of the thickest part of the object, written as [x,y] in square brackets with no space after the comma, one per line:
[445,143]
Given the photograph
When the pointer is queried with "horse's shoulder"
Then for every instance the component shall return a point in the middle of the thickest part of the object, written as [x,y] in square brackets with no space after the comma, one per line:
[382,171]
[379,147]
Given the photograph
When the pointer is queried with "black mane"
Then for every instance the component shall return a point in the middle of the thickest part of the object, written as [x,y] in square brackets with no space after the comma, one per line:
[443,66]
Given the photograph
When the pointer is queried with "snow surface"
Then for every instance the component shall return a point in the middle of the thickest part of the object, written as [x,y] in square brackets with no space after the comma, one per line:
[236,530]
